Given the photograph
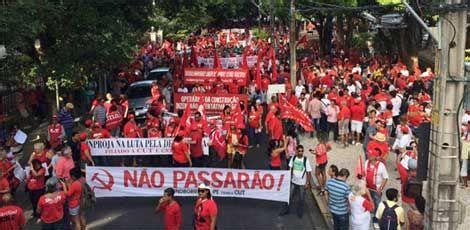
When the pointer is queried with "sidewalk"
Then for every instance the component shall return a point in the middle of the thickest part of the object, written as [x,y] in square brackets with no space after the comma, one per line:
[345,158]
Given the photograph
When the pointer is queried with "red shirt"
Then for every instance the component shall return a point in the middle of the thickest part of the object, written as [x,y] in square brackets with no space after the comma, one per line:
[276,161]
[357,113]
[36,182]
[276,129]
[74,194]
[179,150]
[204,210]
[11,217]
[154,133]
[100,134]
[55,131]
[131,130]
[4,184]
[254,119]
[404,179]
[321,154]
[83,148]
[172,216]
[344,113]
[196,149]
[52,209]
[113,120]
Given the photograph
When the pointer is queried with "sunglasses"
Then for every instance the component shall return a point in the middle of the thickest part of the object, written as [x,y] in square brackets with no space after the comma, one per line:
[202,191]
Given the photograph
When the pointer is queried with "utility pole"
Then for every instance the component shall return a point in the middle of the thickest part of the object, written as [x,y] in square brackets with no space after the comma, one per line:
[442,187]
[273,30]
[292,46]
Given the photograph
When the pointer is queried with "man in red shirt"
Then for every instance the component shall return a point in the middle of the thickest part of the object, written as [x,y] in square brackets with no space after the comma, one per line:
[343,122]
[195,147]
[357,117]
[99,133]
[11,216]
[64,164]
[131,130]
[275,128]
[73,191]
[172,215]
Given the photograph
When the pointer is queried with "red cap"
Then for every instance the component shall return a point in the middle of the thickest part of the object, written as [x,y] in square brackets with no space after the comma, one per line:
[83,136]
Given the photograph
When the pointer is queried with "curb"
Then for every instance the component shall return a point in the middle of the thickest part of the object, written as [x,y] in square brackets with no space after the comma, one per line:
[322,206]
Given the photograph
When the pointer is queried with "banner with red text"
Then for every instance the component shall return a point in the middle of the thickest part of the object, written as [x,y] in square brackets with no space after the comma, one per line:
[150,182]
[228,63]
[135,146]
[200,75]
[213,103]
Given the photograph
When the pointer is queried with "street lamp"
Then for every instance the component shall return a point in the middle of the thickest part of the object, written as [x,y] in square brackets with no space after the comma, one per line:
[153,35]
[37,46]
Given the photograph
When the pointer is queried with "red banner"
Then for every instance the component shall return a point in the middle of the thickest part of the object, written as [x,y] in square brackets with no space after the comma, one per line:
[213,103]
[199,75]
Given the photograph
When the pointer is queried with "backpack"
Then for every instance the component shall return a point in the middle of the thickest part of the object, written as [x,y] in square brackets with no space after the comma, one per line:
[389,220]
[88,198]
[413,187]
[305,166]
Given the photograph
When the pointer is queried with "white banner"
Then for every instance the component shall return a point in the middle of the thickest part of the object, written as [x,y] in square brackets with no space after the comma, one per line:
[232,62]
[150,182]
[136,146]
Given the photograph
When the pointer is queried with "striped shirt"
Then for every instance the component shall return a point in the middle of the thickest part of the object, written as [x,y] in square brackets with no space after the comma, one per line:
[338,192]
[66,119]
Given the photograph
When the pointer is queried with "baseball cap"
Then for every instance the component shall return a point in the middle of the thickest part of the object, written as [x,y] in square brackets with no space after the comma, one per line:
[203,186]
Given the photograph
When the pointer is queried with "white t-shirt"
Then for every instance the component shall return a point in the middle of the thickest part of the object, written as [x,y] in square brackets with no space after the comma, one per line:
[396,103]
[357,70]
[299,172]
[298,90]
[402,141]
[381,175]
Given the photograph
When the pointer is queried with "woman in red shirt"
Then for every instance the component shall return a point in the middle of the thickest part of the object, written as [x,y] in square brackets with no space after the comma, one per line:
[254,121]
[180,150]
[35,184]
[321,159]
[73,191]
[205,210]
[276,152]
[51,207]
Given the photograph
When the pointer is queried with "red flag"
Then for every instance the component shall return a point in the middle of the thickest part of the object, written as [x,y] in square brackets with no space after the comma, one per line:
[359,169]
[185,120]
[303,40]
[216,60]
[273,65]
[288,111]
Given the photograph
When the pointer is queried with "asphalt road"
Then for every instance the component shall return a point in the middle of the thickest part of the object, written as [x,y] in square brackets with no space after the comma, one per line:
[138,213]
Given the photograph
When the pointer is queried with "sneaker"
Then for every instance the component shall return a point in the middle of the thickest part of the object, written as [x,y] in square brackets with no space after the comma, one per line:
[376,226]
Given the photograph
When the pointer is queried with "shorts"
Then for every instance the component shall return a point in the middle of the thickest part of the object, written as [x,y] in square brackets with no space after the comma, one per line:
[74,211]
[356,126]
[343,126]
[322,166]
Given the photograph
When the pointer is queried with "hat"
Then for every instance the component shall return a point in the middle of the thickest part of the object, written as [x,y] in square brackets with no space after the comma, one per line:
[258,101]
[380,137]
[83,136]
[405,129]
[203,186]
[412,164]
[69,105]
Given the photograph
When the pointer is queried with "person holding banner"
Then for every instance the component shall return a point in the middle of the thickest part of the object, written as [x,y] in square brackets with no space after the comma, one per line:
[131,130]
[205,210]
[301,172]
[172,215]
[180,150]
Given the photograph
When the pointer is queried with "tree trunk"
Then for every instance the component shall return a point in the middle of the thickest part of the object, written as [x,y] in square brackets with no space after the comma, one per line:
[349,33]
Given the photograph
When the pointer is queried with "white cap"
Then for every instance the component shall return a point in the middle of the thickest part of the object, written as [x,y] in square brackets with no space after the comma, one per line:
[203,186]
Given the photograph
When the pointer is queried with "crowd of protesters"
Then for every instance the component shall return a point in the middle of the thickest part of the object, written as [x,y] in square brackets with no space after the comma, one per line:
[350,100]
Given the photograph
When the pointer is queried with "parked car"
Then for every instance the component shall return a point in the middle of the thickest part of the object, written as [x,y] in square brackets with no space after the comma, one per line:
[139,96]
[158,73]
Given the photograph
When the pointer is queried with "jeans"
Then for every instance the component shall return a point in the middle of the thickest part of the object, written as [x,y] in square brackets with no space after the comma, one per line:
[376,197]
[59,225]
[340,222]
[300,204]
[253,137]
[316,125]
